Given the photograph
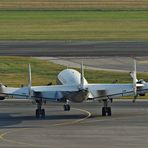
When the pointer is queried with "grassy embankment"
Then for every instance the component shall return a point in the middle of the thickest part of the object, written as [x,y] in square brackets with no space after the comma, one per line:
[14,72]
[74,25]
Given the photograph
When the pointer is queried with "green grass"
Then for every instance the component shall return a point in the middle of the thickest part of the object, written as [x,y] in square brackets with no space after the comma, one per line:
[14,72]
[74,25]
[75,4]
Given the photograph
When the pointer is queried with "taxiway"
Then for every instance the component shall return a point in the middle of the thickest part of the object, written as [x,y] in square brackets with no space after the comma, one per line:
[83,126]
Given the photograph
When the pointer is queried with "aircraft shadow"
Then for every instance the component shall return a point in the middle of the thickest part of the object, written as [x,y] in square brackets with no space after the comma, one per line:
[7,119]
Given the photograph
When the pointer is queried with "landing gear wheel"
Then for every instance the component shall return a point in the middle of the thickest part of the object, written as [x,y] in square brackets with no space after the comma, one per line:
[109,111]
[66,107]
[40,113]
[37,113]
[43,113]
[106,111]
[103,111]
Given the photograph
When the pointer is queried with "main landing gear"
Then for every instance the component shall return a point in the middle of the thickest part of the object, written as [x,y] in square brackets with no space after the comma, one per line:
[66,106]
[40,112]
[106,111]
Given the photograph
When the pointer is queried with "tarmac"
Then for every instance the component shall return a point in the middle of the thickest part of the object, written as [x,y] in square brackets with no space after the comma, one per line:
[82,127]
[119,64]
[73,48]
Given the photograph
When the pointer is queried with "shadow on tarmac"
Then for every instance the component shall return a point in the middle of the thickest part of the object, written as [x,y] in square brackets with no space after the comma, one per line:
[8,119]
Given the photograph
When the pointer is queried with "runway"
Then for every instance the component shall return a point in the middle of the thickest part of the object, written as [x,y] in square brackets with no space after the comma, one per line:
[73,48]
[83,126]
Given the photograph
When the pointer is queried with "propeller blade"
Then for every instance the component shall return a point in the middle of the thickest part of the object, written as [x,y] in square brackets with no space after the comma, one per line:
[134,76]
[134,99]
[82,76]
[29,81]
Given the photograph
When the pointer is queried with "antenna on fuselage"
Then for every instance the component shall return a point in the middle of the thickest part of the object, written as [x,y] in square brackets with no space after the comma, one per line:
[29,81]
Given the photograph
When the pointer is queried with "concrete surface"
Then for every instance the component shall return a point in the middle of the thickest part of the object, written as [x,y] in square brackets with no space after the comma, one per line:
[82,127]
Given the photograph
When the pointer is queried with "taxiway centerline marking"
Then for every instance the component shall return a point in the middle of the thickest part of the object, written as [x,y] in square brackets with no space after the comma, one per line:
[75,121]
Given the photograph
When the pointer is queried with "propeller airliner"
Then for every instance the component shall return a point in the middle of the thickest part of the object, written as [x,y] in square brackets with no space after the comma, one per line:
[73,87]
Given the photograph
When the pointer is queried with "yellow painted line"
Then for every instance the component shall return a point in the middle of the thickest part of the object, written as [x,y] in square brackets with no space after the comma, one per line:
[3,135]
[76,121]
[103,119]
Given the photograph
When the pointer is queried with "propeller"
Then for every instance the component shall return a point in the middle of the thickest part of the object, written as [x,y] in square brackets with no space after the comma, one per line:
[82,87]
[29,81]
[134,76]
[82,76]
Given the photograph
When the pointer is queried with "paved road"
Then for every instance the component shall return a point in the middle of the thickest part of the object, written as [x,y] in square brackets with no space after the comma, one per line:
[73,48]
[81,127]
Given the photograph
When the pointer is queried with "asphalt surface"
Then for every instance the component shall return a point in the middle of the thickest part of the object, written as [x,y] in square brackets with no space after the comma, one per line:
[82,127]
[73,48]
[119,64]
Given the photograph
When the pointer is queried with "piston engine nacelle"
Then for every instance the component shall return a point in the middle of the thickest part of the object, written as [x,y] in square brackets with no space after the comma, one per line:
[78,96]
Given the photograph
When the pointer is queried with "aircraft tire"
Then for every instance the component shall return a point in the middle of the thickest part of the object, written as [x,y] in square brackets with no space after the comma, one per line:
[103,111]
[43,113]
[66,107]
[109,111]
[37,113]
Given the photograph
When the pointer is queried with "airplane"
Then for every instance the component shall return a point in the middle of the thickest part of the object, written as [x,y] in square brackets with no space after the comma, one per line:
[73,87]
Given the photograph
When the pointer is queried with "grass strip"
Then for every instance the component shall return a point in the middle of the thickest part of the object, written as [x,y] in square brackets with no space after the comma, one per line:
[74,25]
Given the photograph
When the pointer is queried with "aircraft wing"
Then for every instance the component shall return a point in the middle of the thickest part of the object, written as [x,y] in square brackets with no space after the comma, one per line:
[53,92]
[103,91]
[61,88]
